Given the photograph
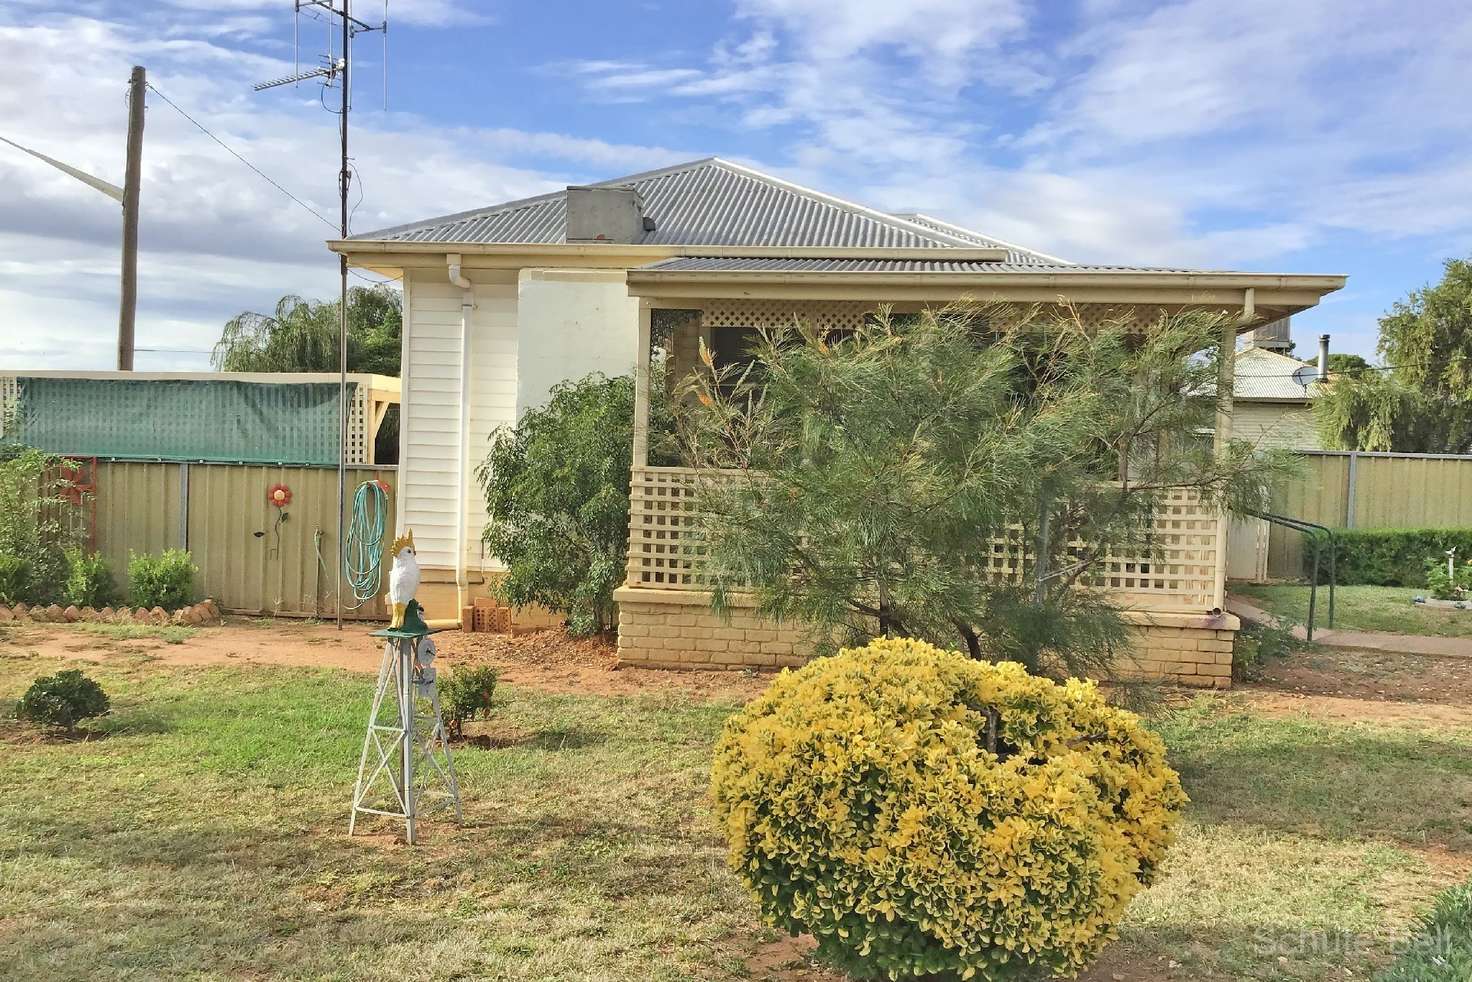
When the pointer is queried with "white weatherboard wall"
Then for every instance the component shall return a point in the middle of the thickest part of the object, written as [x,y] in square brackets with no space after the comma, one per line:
[1283,425]
[429,443]
[573,322]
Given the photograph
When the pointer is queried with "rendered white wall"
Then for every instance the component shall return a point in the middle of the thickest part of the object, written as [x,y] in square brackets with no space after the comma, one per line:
[572,322]
[429,443]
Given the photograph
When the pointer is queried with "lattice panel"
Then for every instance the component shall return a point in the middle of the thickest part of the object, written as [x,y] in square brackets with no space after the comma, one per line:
[664,540]
[829,315]
[9,398]
[358,449]
[846,315]
[1178,569]
[1176,572]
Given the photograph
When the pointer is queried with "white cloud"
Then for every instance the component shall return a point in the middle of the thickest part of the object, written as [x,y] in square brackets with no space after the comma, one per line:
[215,238]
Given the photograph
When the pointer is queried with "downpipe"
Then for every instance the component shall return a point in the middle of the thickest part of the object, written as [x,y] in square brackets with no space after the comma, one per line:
[467,306]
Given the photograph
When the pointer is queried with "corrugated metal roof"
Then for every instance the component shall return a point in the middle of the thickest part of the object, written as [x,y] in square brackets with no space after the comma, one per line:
[1264,374]
[763,264]
[1016,254]
[704,202]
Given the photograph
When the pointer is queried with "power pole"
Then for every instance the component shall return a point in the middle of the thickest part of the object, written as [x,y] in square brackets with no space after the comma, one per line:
[128,299]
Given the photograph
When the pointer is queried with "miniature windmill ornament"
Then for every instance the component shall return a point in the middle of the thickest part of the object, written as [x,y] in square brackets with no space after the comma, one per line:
[406,763]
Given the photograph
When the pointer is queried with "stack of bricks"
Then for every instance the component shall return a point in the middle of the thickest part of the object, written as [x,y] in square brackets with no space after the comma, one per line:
[689,635]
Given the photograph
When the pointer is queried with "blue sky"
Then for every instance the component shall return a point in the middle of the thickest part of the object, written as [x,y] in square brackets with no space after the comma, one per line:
[1314,136]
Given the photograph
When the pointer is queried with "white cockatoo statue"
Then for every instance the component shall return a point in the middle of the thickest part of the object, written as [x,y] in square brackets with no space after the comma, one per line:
[403,577]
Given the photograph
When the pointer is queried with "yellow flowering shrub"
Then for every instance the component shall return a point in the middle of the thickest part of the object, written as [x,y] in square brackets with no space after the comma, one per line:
[862,804]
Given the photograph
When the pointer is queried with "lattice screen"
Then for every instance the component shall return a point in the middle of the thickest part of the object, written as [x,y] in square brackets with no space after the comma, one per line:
[832,315]
[664,539]
[1176,572]
[843,314]
[359,447]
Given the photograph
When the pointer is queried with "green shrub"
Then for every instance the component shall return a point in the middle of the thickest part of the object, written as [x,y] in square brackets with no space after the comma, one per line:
[37,524]
[920,812]
[165,580]
[1442,950]
[63,699]
[15,579]
[465,693]
[1443,585]
[557,501]
[1387,557]
[89,581]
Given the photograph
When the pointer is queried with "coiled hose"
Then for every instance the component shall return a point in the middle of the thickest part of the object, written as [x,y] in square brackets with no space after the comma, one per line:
[362,557]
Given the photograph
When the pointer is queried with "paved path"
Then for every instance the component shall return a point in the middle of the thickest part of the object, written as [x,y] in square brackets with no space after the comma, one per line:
[1408,644]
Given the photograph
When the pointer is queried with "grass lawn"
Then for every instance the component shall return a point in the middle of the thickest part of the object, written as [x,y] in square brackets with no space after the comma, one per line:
[203,836]
[1360,608]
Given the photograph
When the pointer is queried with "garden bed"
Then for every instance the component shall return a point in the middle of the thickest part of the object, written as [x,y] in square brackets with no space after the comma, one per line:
[206,835]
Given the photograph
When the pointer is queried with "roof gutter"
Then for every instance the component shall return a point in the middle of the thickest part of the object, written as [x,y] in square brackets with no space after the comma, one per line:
[1138,278]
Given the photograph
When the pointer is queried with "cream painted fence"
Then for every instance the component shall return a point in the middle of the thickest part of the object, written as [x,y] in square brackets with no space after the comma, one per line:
[1343,489]
[1178,572]
[252,556]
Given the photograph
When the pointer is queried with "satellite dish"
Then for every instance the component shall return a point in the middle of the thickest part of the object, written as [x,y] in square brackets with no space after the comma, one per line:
[1305,375]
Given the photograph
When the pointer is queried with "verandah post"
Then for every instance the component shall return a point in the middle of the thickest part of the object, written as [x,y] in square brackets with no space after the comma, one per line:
[1225,378]
[641,387]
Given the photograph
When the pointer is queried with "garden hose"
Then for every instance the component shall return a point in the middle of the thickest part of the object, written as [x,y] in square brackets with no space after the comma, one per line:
[362,555]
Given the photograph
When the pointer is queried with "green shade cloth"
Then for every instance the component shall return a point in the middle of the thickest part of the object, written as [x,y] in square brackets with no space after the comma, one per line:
[181,419]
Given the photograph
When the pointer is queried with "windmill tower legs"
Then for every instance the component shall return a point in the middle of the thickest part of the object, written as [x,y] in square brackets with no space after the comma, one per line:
[406,762]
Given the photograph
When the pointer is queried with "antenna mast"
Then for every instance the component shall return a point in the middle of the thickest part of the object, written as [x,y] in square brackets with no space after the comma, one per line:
[335,70]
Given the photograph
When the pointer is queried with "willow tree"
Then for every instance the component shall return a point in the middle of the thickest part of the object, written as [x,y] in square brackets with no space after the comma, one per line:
[1421,402]
[875,475]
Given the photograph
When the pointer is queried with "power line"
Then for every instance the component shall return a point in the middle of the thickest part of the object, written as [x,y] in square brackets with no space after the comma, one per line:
[228,149]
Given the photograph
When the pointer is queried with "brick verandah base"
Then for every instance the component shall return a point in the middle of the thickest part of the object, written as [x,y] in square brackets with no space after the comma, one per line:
[677,629]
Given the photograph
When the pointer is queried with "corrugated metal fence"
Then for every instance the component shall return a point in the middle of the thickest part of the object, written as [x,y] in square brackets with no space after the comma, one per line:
[252,556]
[1370,490]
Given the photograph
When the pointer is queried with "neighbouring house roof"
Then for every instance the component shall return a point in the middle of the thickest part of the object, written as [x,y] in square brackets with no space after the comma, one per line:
[711,202]
[1268,376]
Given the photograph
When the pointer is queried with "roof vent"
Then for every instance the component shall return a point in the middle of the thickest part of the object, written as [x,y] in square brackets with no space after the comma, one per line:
[601,214]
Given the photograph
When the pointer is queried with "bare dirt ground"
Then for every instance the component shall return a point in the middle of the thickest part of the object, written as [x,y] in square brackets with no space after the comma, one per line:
[1372,686]
[547,660]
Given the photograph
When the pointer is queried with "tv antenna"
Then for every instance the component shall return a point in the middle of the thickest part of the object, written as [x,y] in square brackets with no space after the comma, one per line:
[333,71]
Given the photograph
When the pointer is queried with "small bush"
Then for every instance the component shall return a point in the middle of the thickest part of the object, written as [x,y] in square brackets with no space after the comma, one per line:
[1456,585]
[1442,950]
[165,580]
[63,699]
[38,521]
[15,578]
[920,812]
[88,580]
[466,693]
[1387,557]
[1256,645]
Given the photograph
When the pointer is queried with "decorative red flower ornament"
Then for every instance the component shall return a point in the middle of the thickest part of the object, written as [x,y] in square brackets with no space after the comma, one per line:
[278,495]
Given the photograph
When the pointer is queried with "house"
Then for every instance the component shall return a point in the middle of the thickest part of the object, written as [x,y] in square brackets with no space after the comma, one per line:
[1272,392]
[504,301]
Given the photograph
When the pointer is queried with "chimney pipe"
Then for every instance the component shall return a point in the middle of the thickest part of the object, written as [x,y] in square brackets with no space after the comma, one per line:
[1323,357]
